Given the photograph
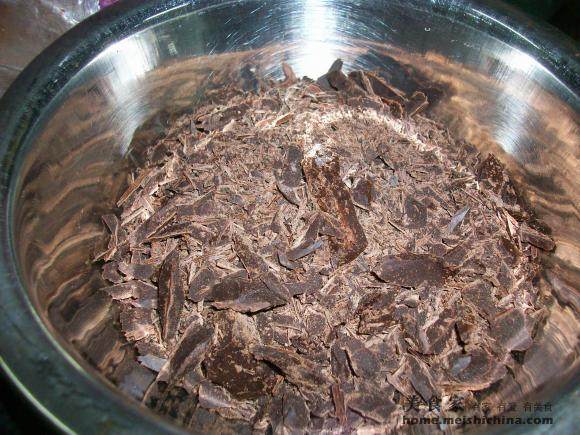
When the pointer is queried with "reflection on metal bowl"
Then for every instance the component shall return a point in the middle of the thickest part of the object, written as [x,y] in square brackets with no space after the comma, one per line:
[70,122]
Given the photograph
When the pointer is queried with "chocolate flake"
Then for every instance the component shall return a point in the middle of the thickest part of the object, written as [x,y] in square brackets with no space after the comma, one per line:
[297,369]
[411,270]
[512,330]
[171,295]
[457,219]
[323,178]
[189,351]
[243,295]
[536,238]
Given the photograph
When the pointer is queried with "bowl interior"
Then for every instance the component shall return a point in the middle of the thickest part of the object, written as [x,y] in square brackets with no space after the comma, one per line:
[489,87]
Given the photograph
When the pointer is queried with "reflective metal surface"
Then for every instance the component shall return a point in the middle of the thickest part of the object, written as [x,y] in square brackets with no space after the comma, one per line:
[28,27]
[74,121]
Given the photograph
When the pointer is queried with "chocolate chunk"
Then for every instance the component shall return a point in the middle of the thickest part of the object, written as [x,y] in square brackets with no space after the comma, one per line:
[512,330]
[308,243]
[133,187]
[433,334]
[421,379]
[479,294]
[536,238]
[137,323]
[243,295]
[285,261]
[152,362]
[491,171]
[175,229]
[323,81]
[339,363]
[364,362]
[220,118]
[333,197]
[189,351]
[362,193]
[382,88]
[136,271]
[372,405]
[171,295]
[415,214]
[339,404]
[456,256]
[111,272]
[298,370]
[411,270]
[201,283]
[289,175]
[376,312]
[295,413]
[230,363]
[476,370]
[214,397]
[509,251]
[139,293]
[310,286]
[362,80]
[118,235]
[153,224]
[258,270]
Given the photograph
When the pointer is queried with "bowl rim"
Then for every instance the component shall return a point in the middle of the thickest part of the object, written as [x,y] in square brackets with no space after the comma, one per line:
[94,404]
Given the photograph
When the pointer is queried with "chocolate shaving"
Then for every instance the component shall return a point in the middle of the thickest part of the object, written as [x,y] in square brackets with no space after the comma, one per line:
[457,219]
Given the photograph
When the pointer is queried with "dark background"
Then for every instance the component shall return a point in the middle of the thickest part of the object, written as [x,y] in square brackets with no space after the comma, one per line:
[17,417]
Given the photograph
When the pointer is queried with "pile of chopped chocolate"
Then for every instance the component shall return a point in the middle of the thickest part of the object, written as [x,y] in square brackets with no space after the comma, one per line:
[312,256]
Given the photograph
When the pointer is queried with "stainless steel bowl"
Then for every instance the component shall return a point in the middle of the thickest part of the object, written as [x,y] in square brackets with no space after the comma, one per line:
[75,118]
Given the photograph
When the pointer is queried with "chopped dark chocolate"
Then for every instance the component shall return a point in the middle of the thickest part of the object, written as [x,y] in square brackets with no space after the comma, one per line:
[189,351]
[306,257]
[333,197]
[295,413]
[415,214]
[363,361]
[243,295]
[362,193]
[373,405]
[230,363]
[479,293]
[214,397]
[298,370]
[533,237]
[411,270]
[512,330]
[201,283]
[171,295]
